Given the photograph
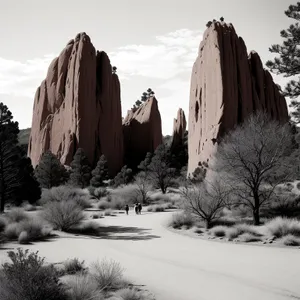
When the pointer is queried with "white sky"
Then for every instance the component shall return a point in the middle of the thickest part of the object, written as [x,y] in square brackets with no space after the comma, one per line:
[152,43]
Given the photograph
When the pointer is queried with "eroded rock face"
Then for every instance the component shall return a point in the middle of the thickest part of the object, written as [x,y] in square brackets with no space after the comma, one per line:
[227,86]
[142,132]
[179,128]
[78,106]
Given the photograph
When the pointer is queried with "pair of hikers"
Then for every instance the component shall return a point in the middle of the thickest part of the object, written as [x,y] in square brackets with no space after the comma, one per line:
[137,208]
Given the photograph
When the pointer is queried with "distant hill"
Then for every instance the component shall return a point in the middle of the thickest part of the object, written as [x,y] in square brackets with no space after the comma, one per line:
[24,138]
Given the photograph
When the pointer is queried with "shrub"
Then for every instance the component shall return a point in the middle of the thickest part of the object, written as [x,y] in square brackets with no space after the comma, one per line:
[83,287]
[16,215]
[73,266]
[218,231]
[180,219]
[26,277]
[156,208]
[66,193]
[130,294]
[28,231]
[97,216]
[108,274]
[240,229]
[104,204]
[280,227]
[63,215]
[290,240]
[11,231]
[108,212]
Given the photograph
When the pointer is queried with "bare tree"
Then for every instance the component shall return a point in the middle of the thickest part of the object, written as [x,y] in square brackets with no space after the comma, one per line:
[248,156]
[206,200]
[143,187]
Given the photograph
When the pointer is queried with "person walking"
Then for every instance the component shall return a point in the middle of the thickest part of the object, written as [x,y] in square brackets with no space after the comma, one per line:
[126,209]
[136,209]
[140,208]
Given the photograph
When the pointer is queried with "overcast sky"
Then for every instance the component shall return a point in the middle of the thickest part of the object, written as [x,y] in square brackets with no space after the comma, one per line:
[153,43]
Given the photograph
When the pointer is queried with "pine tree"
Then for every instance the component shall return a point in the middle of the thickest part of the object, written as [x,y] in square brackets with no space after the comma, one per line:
[9,156]
[100,173]
[50,172]
[80,170]
[123,177]
[29,187]
[144,165]
[288,62]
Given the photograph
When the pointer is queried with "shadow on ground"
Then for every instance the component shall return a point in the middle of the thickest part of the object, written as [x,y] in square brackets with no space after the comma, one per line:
[115,233]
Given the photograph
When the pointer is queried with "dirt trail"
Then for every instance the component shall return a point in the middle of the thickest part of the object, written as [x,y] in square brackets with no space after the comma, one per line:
[177,267]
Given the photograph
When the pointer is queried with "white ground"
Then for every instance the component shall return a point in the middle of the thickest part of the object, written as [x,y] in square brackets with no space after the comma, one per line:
[178,267]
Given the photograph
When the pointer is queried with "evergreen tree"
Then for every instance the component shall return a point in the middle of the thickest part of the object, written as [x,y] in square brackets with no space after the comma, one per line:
[138,103]
[9,156]
[50,172]
[288,61]
[144,97]
[123,177]
[144,165]
[80,170]
[29,188]
[100,173]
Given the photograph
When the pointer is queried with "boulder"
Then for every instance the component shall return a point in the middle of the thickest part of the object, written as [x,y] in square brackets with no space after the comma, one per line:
[78,106]
[142,132]
[227,86]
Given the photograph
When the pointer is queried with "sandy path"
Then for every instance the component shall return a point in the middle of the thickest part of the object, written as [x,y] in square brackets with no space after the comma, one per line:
[177,267]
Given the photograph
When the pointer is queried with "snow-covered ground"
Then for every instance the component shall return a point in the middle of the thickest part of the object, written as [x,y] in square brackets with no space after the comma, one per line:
[178,267]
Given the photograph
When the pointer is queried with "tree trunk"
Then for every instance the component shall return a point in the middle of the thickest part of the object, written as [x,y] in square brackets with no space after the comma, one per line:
[207,223]
[256,219]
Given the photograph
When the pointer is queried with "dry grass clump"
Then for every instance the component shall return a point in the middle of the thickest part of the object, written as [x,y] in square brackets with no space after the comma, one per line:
[108,274]
[181,219]
[218,231]
[290,240]
[280,227]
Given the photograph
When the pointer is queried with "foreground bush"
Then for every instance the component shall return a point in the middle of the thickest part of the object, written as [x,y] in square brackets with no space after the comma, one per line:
[181,219]
[108,274]
[280,227]
[83,287]
[130,294]
[73,266]
[26,277]
[63,215]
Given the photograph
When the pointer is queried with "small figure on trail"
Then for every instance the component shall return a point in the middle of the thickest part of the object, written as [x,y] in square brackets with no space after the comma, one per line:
[139,208]
[126,209]
[136,208]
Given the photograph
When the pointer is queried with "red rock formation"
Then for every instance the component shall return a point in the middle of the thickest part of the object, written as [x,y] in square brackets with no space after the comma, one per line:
[142,132]
[179,128]
[78,105]
[226,87]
